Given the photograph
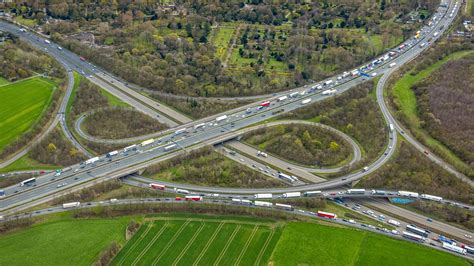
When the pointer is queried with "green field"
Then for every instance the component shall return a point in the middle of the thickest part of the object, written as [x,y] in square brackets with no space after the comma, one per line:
[196,241]
[22,102]
[221,40]
[313,244]
[63,242]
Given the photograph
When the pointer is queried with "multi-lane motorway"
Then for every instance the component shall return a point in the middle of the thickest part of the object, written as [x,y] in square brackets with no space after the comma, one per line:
[218,131]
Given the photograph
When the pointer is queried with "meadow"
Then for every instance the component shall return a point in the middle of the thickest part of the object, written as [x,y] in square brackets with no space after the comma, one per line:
[61,242]
[314,244]
[23,103]
[197,239]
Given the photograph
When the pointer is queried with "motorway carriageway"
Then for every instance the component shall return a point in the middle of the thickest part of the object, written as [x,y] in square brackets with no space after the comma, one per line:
[372,197]
[115,202]
[209,135]
[144,182]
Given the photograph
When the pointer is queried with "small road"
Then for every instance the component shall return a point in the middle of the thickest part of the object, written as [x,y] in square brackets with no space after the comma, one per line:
[62,116]
[110,83]
[273,160]
[59,118]
[86,136]
[388,116]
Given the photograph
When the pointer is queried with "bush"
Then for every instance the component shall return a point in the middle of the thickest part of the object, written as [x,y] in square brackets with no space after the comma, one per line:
[118,123]
[56,150]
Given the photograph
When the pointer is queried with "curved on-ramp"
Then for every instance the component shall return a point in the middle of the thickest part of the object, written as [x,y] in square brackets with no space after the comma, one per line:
[274,160]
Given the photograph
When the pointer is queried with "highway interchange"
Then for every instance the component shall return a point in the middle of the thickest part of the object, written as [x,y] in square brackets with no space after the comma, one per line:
[237,122]
[214,133]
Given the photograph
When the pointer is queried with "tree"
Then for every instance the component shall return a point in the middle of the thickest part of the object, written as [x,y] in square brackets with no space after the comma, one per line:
[52,148]
[306,137]
[298,143]
[334,146]
[73,152]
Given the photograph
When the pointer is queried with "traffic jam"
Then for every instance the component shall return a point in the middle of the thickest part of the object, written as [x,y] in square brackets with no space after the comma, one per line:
[167,145]
[385,224]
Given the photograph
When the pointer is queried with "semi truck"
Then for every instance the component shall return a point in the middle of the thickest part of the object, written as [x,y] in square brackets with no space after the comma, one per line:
[416,230]
[391,127]
[202,125]
[130,148]
[305,101]
[170,147]
[242,202]
[454,248]
[221,118]
[181,191]
[378,192]
[147,142]
[263,204]
[71,205]
[328,82]
[27,181]
[180,131]
[431,197]
[294,94]
[282,98]
[444,239]
[193,198]
[326,215]
[413,237]
[92,160]
[263,196]
[110,154]
[356,191]
[284,206]
[292,195]
[393,222]
[286,177]
[312,193]
[329,92]
[408,194]
[157,186]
